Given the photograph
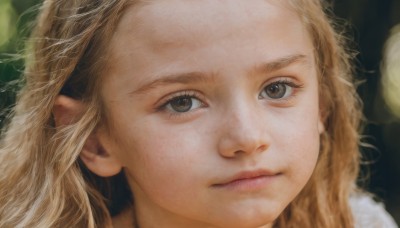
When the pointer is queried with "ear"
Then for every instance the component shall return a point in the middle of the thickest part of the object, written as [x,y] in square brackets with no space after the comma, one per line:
[323,114]
[321,126]
[66,110]
[321,122]
[94,155]
[98,159]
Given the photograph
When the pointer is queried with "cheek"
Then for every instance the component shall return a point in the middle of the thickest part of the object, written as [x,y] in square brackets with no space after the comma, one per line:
[153,156]
[303,149]
[164,168]
[296,141]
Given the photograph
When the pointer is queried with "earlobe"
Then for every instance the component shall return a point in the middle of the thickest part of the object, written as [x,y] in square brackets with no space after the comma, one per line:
[94,155]
[321,121]
[321,127]
[98,160]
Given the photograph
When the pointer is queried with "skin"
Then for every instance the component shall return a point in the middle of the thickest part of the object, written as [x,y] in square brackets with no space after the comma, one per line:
[222,56]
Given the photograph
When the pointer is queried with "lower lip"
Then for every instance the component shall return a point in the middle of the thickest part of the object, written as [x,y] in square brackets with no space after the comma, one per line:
[247,185]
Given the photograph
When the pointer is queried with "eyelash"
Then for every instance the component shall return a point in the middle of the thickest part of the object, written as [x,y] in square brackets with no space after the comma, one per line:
[190,94]
[285,82]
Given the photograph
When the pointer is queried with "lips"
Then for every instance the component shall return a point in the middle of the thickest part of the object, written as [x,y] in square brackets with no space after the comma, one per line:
[247,180]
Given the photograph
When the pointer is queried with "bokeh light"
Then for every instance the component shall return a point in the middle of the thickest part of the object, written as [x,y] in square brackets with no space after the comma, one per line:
[7,21]
[391,72]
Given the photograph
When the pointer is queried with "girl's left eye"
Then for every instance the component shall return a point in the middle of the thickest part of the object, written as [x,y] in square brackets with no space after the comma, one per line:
[278,90]
[183,104]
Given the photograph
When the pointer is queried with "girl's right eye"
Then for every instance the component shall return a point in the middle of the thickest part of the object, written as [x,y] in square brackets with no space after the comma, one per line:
[182,104]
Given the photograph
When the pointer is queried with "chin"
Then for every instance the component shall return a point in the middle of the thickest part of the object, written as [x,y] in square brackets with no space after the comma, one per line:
[250,219]
[239,223]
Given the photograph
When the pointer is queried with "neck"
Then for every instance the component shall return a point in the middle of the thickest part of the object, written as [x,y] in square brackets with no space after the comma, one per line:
[126,219]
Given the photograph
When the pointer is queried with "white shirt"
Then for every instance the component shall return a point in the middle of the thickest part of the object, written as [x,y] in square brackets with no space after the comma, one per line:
[370,214]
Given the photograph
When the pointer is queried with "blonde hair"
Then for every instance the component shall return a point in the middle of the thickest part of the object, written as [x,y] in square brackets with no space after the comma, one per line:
[41,182]
[44,184]
[324,202]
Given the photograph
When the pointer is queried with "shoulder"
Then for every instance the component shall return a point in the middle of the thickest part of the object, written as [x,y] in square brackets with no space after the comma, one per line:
[369,213]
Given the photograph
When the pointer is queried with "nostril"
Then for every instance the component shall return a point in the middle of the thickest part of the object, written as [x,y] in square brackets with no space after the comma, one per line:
[262,148]
[242,136]
[240,152]
[250,149]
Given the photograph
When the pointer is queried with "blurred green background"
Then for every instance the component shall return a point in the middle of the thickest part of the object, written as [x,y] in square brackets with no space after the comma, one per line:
[368,21]
[16,19]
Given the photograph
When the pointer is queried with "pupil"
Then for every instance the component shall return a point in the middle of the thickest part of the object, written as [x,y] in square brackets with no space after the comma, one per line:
[182,104]
[276,91]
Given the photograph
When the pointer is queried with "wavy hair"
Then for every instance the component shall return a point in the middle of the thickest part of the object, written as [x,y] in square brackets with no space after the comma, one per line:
[44,184]
[324,202]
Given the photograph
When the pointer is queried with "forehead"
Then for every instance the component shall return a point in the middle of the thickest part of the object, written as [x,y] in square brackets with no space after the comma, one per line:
[174,21]
[167,37]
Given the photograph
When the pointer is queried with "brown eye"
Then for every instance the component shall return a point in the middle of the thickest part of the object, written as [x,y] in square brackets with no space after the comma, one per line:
[277,90]
[183,104]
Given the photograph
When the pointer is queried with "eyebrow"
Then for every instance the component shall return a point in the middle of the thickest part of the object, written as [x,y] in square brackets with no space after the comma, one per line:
[196,77]
[183,78]
[282,63]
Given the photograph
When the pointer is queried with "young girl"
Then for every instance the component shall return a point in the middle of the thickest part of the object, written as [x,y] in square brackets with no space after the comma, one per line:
[185,114]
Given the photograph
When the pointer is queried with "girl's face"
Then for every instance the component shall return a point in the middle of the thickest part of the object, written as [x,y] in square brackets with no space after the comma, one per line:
[213,111]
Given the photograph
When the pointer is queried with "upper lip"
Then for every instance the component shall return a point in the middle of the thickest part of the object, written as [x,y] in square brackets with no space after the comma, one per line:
[245,175]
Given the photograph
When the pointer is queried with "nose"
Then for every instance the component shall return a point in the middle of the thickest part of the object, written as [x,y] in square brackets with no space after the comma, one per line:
[242,132]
